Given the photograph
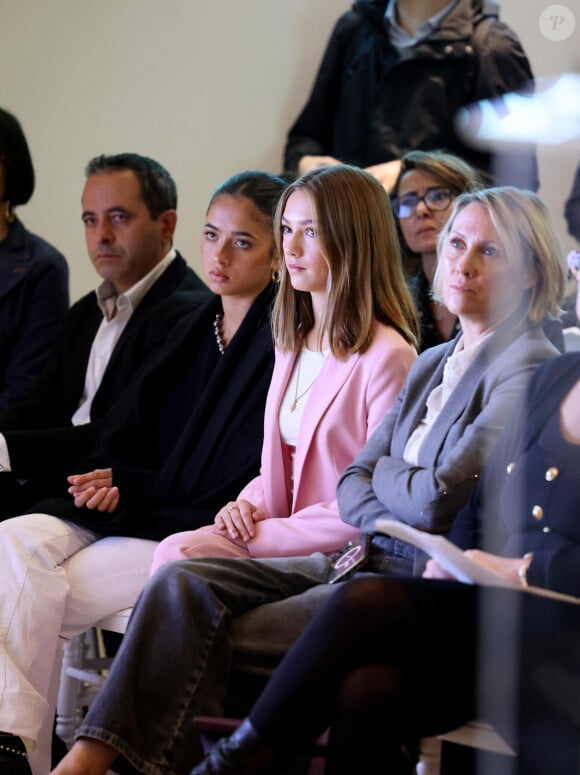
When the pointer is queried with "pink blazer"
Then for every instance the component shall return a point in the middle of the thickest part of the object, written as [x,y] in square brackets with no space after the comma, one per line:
[348,401]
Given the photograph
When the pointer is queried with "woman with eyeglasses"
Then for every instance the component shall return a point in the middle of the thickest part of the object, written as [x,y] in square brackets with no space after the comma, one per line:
[423,194]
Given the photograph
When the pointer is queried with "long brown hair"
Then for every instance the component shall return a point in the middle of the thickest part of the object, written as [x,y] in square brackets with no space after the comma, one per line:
[358,239]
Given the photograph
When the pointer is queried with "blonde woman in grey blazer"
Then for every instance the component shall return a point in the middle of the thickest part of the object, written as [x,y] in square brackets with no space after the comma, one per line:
[501,271]
[428,491]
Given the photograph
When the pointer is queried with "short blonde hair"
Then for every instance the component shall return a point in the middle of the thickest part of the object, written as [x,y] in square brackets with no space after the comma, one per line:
[358,239]
[525,229]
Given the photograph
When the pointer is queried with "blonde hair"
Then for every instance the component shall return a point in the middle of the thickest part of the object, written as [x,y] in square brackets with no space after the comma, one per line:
[525,229]
[358,239]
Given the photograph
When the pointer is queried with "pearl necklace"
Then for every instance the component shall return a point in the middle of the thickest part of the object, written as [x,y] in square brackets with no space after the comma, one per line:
[218,332]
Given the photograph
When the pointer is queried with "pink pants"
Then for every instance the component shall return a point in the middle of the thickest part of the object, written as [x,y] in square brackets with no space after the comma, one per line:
[203,542]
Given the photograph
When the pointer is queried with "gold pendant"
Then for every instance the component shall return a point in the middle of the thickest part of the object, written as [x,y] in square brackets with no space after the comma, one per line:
[293,406]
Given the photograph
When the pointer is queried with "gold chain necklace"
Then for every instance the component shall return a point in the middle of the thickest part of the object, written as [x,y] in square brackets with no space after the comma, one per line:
[296,396]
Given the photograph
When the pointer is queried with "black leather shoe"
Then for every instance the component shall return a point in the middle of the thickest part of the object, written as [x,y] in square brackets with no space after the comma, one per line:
[242,753]
[13,758]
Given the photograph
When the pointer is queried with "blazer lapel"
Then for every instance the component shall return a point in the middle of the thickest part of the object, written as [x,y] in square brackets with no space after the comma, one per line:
[559,385]
[333,376]
[249,353]
[493,350]
[415,401]
[273,443]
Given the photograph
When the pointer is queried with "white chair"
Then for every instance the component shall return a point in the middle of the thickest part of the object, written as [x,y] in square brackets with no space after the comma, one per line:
[571,339]
[84,671]
[475,734]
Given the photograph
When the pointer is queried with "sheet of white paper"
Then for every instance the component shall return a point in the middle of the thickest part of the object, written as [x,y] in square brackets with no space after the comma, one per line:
[454,560]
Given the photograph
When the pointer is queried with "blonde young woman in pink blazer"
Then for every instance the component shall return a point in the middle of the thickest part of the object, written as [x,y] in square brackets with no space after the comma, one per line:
[345,333]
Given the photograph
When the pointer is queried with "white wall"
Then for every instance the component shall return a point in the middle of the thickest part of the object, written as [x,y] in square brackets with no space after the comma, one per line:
[557,163]
[207,87]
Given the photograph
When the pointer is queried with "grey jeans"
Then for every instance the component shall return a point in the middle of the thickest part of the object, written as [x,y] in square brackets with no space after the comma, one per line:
[176,658]
[174,661]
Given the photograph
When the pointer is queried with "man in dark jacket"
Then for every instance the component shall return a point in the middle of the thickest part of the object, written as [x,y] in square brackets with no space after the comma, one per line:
[392,79]
[129,213]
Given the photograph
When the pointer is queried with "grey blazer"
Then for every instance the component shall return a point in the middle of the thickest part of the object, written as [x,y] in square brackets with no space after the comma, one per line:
[379,483]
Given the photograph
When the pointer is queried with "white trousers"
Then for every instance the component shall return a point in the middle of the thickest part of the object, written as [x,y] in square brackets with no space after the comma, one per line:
[56,581]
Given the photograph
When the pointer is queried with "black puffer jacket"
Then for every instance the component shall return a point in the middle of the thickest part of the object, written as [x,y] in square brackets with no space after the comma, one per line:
[371,103]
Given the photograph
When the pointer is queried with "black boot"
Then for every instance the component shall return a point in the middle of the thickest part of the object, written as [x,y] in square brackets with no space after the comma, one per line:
[242,753]
[13,758]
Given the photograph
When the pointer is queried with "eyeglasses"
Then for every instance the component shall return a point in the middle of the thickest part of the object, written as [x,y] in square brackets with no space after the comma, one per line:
[434,199]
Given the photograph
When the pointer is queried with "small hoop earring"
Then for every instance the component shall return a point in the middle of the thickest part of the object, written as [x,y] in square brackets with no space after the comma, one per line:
[9,213]
[275,276]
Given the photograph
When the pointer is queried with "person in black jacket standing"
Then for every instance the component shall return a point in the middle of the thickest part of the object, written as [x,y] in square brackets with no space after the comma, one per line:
[392,78]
